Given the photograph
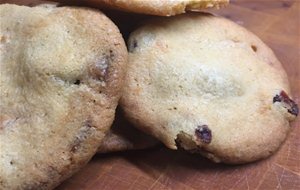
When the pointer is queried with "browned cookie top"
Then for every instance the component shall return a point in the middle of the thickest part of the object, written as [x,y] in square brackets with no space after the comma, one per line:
[61,74]
[155,7]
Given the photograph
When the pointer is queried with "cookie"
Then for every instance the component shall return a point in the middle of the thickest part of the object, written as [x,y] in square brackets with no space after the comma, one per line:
[208,85]
[123,136]
[62,70]
[157,7]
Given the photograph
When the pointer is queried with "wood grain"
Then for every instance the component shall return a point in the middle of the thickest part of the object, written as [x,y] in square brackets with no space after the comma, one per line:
[277,23]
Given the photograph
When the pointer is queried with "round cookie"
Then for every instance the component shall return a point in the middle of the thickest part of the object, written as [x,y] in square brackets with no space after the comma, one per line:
[62,70]
[123,136]
[156,7]
[208,85]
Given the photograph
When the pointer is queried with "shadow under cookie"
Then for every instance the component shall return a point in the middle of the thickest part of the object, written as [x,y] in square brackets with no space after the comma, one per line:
[124,136]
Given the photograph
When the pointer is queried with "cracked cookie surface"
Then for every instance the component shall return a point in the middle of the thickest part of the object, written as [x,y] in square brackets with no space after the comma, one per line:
[61,75]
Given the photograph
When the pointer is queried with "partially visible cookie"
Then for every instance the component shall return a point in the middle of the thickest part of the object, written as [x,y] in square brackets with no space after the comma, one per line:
[123,136]
[208,85]
[157,7]
[61,75]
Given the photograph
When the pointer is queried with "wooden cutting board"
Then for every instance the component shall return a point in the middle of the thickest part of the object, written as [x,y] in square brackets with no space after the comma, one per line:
[277,23]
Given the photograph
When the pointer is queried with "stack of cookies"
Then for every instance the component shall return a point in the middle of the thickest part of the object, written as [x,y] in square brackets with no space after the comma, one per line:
[193,81]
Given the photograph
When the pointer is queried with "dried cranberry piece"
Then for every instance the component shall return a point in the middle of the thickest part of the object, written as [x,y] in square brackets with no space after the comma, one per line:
[291,106]
[294,110]
[203,133]
[277,98]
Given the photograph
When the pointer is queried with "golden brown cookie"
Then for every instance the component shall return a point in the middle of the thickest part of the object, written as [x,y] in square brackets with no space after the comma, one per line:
[61,75]
[208,85]
[155,7]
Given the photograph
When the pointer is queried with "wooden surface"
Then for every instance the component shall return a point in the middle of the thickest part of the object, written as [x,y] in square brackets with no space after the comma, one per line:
[277,23]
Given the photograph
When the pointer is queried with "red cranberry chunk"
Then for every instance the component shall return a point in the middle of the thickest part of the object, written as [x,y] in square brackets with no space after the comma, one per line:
[203,133]
[291,106]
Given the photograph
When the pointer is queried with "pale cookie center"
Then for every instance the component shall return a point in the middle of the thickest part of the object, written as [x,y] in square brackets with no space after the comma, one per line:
[194,81]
